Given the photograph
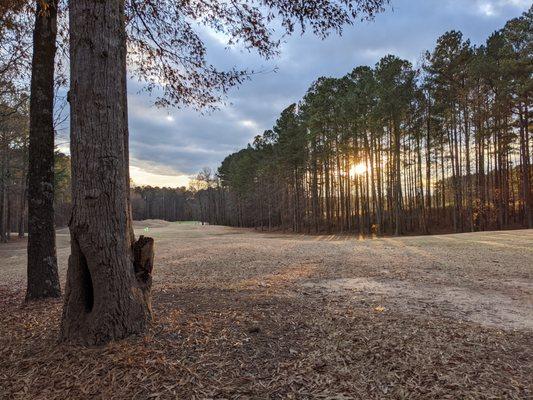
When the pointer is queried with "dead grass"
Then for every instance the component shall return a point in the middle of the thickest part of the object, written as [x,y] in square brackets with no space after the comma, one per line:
[255,316]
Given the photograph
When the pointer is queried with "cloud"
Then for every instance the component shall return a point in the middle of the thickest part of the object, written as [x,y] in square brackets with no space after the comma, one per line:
[496,8]
[487,8]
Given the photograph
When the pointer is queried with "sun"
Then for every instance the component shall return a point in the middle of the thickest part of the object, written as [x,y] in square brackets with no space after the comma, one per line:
[357,169]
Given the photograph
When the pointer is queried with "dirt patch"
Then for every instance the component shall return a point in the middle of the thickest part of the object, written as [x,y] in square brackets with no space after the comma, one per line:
[488,308]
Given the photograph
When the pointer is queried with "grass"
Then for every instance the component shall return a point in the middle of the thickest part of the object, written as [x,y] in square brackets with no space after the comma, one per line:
[239,314]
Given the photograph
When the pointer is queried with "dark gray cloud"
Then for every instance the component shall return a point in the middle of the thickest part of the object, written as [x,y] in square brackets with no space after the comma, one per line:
[183,141]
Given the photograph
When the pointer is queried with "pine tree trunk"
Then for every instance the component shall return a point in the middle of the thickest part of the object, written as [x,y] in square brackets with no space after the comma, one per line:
[43,277]
[22,210]
[428,166]
[108,283]
[8,215]
[524,153]
[7,195]
[3,238]
[398,211]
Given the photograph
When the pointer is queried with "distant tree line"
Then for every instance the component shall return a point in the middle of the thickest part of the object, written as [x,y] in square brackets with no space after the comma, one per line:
[169,204]
[14,141]
[201,201]
[148,202]
[14,174]
[394,149]
[13,165]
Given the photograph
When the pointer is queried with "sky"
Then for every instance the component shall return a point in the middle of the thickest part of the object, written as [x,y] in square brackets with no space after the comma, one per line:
[169,146]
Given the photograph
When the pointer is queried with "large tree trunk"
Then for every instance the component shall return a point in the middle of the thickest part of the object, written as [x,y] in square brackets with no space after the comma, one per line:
[43,278]
[107,294]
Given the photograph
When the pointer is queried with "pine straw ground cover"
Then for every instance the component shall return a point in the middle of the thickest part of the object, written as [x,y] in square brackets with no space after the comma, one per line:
[262,338]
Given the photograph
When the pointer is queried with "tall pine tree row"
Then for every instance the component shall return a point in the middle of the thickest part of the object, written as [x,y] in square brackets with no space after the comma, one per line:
[394,149]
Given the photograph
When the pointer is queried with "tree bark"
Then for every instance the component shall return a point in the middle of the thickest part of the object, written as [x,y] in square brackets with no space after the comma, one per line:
[106,297]
[43,277]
